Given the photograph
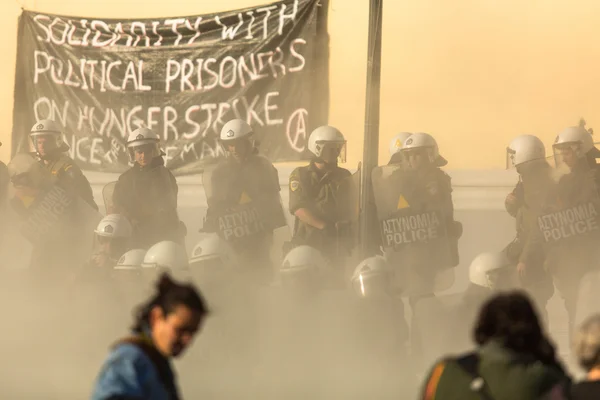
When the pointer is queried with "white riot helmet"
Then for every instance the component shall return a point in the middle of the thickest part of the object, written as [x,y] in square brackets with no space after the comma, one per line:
[371,277]
[489,270]
[133,259]
[574,139]
[419,142]
[397,142]
[114,226]
[327,143]
[523,149]
[236,129]
[302,268]
[143,139]
[51,132]
[213,248]
[166,254]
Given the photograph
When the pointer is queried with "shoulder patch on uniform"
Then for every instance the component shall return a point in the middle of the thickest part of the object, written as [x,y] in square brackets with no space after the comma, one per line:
[294,185]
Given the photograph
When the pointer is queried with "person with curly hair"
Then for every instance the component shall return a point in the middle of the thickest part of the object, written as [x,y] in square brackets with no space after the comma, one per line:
[514,359]
[139,366]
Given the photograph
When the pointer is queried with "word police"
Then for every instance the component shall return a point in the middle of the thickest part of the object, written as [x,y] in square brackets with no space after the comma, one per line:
[240,224]
[576,221]
[411,228]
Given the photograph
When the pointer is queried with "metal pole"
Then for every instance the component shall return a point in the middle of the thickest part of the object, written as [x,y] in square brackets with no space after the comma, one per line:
[368,218]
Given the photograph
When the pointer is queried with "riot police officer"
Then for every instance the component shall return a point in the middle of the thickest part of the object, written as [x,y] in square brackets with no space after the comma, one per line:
[572,244]
[50,220]
[424,187]
[113,235]
[527,154]
[319,198]
[146,194]
[50,148]
[244,206]
[396,147]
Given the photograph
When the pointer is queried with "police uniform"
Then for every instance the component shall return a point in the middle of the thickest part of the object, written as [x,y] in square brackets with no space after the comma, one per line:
[147,196]
[65,171]
[429,190]
[569,263]
[325,193]
[534,190]
[498,372]
[252,183]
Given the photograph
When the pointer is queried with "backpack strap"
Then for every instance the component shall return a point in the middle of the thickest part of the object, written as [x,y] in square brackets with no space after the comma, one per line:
[470,364]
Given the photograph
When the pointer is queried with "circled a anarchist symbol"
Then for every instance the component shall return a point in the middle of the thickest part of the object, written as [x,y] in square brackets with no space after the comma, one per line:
[296,130]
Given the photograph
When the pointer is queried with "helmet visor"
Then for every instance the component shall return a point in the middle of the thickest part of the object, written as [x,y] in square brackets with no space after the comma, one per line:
[510,158]
[332,152]
[567,154]
[46,143]
[416,158]
[370,286]
[143,152]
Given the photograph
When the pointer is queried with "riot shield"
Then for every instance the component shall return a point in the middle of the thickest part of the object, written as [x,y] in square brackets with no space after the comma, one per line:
[235,214]
[107,195]
[568,213]
[60,216]
[416,233]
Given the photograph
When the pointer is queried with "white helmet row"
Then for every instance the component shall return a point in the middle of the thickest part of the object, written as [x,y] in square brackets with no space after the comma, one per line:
[114,226]
[523,149]
[325,137]
[487,268]
[371,278]
[302,268]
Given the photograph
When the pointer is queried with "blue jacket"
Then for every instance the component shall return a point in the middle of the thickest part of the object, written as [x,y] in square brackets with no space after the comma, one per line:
[130,374]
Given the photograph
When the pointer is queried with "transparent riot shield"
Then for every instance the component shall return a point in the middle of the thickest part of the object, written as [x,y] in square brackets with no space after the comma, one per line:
[236,214]
[417,236]
[107,195]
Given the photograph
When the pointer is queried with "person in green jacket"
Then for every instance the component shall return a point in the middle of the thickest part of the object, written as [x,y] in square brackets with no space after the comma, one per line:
[513,359]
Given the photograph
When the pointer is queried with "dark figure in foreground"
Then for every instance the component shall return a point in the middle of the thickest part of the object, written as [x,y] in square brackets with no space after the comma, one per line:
[513,359]
[139,366]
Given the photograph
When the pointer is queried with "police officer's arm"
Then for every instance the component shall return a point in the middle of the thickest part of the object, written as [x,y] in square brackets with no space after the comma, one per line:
[514,200]
[73,178]
[300,204]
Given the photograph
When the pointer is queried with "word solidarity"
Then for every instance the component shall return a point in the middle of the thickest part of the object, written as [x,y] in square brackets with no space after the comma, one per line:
[182,77]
